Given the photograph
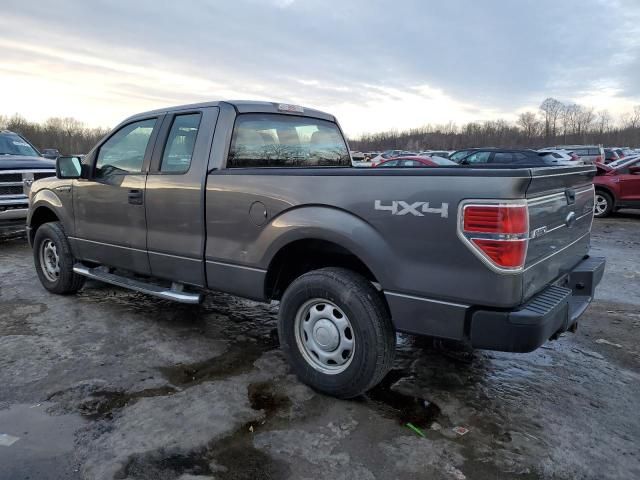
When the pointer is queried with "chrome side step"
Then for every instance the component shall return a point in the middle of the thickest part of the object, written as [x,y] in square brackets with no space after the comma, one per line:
[174,293]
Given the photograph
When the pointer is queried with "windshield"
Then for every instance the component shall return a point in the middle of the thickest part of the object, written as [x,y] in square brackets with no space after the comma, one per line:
[12,144]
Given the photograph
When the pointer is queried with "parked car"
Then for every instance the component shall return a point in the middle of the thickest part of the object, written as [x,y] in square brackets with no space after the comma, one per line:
[50,153]
[435,153]
[617,185]
[620,152]
[610,155]
[357,156]
[589,154]
[506,156]
[416,161]
[20,165]
[561,157]
[232,196]
[388,154]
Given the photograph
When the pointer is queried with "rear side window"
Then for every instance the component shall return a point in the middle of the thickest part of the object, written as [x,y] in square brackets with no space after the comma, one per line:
[273,140]
[594,151]
[390,163]
[582,152]
[501,157]
[180,143]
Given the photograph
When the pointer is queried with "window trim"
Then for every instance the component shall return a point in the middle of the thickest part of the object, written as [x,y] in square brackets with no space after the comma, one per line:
[147,153]
[156,163]
[225,165]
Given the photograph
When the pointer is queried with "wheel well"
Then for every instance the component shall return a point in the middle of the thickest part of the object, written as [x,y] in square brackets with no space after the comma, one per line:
[41,216]
[302,256]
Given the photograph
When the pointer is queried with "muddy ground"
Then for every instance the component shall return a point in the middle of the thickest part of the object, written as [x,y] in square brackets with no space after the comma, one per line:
[111,384]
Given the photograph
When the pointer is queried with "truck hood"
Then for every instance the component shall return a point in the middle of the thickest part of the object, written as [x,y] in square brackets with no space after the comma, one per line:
[17,162]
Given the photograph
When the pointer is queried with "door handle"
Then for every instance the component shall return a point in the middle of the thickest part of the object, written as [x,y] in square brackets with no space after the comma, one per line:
[135,197]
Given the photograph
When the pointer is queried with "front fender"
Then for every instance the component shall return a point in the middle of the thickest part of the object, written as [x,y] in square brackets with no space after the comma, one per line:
[332,224]
[58,202]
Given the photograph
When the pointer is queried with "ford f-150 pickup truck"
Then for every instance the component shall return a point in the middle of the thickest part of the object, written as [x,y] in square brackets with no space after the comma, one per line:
[260,200]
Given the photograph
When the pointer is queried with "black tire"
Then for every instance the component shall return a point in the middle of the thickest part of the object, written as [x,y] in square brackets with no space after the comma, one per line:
[66,281]
[373,333]
[604,204]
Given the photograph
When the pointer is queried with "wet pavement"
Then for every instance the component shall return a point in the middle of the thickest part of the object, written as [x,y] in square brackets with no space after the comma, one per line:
[110,384]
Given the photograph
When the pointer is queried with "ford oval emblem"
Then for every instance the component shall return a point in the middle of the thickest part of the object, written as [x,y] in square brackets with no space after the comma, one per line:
[571,219]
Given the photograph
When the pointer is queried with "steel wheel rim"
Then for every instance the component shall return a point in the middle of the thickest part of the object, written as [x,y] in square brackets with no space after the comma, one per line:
[601,204]
[324,336]
[49,260]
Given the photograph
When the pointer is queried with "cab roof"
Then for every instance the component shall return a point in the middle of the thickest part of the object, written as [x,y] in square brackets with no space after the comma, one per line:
[243,106]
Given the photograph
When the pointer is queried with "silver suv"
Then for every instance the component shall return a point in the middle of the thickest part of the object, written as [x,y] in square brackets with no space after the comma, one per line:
[589,154]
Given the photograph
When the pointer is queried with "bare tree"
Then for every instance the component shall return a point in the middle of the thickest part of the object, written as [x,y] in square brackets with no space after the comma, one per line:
[631,119]
[551,111]
[530,124]
[603,121]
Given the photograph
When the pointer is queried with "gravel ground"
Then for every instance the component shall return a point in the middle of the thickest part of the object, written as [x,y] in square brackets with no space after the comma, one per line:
[112,384]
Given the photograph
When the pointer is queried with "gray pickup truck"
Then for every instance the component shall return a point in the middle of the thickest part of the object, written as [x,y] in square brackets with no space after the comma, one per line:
[260,200]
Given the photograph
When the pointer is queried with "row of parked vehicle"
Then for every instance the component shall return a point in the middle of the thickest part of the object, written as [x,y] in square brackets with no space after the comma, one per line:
[566,155]
[617,181]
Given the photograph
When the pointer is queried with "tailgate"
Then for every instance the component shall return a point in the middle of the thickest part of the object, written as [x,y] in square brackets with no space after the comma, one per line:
[560,201]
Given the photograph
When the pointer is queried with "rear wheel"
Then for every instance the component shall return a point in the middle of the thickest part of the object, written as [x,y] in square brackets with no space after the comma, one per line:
[603,204]
[54,261]
[336,332]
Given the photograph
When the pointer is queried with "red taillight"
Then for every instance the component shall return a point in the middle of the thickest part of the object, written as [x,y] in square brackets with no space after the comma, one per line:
[599,159]
[499,233]
[505,253]
[495,219]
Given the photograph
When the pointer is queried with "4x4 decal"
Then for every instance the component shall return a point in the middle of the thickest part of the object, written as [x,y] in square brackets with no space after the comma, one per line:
[418,209]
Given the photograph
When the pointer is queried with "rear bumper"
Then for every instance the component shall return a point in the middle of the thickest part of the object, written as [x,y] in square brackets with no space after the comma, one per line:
[552,311]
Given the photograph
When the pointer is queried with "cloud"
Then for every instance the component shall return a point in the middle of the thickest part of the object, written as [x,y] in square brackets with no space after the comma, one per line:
[376,64]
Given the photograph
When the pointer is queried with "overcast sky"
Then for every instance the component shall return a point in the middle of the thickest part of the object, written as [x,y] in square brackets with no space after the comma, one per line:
[375,64]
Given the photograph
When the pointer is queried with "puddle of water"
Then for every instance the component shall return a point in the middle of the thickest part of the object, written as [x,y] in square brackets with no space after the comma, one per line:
[242,461]
[230,458]
[14,317]
[103,403]
[263,396]
[399,406]
[170,467]
[45,446]
[238,359]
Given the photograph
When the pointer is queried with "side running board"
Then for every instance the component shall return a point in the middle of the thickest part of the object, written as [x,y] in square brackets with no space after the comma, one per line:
[174,293]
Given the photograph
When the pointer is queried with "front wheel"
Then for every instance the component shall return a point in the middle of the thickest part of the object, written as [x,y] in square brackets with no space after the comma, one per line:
[603,204]
[336,332]
[54,261]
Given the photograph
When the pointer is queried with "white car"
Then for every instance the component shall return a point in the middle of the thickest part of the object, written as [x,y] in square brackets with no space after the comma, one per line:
[436,153]
[559,157]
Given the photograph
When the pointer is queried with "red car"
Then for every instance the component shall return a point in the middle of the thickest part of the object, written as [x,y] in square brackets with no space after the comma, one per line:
[617,186]
[415,161]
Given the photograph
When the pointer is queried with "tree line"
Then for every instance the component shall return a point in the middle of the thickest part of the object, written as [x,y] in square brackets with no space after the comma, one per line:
[68,135]
[554,123]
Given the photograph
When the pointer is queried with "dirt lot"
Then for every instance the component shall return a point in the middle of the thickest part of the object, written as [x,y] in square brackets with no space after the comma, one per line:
[112,384]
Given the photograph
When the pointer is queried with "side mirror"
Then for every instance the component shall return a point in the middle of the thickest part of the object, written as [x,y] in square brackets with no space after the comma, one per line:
[635,170]
[68,167]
